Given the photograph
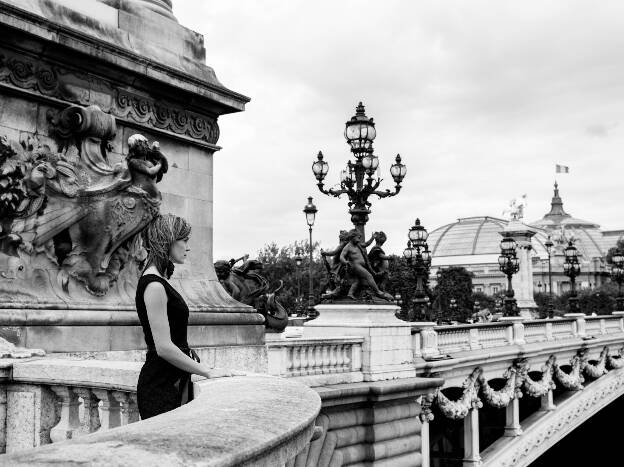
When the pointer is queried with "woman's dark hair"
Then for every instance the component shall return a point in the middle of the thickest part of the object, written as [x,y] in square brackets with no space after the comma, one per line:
[160,234]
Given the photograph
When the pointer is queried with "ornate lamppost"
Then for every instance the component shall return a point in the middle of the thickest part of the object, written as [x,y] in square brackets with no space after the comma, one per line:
[419,258]
[618,276]
[310,213]
[572,269]
[358,180]
[551,308]
[509,265]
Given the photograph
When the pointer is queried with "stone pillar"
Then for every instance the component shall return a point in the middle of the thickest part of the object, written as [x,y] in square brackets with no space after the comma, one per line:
[547,402]
[522,281]
[517,329]
[387,351]
[579,326]
[512,418]
[428,340]
[472,456]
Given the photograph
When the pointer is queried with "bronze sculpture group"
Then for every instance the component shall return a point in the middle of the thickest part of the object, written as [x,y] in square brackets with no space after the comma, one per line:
[246,285]
[355,274]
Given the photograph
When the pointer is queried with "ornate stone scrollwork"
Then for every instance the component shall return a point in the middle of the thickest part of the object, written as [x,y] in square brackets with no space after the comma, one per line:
[51,80]
[73,213]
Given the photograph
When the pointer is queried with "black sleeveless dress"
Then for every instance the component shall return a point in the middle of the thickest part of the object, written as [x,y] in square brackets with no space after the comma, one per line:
[163,387]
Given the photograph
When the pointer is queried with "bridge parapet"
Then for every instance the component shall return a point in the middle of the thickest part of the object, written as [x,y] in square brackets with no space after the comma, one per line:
[431,341]
[507,364]
[84,412]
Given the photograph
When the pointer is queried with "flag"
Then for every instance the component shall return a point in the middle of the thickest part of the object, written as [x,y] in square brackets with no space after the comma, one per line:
[562,169]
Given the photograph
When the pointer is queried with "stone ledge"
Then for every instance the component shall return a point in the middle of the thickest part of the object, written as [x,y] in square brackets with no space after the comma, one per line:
[240,421]
[378,391]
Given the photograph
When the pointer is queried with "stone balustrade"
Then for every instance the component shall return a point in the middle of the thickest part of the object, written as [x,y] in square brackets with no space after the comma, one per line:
[321,360]
[80,408]
[431,340]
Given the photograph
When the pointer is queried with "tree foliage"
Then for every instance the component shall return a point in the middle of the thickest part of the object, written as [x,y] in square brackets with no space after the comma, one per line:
[279,265]
[619,246]
[453,282]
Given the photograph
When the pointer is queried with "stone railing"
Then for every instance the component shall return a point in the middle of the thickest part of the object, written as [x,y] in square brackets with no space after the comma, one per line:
[75,404]
[431,340]
[338,359]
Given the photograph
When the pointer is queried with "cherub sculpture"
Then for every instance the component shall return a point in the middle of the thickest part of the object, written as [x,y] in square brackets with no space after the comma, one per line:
[379,261]
[355,270]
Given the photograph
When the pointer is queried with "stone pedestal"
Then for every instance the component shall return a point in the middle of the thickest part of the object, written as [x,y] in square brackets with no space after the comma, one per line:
[522,281]
[387,348]
[125,68]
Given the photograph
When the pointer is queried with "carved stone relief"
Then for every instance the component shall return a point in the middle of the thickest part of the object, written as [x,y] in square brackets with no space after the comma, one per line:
[69,219]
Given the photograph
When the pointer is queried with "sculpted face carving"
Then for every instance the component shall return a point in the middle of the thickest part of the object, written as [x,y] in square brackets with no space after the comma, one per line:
[70,218]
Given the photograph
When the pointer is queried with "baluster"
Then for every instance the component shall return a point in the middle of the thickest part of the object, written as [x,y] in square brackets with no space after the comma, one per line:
[129,410]
[347,356]
[340,358]
[325,359]
[91,417]
[332,359]
[305,360]
[318,360]
[296,361]
[289,360]
[110,410]
[69,424]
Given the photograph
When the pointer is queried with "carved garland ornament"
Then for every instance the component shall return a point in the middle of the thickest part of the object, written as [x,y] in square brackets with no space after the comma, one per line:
[57,82]
[545,384]
[528,447]
[518,379]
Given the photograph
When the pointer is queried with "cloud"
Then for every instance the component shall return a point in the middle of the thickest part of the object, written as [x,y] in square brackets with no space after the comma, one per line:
[600,129]
[480,98]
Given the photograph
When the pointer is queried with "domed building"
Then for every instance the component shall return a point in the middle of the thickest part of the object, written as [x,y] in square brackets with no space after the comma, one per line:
[474,243]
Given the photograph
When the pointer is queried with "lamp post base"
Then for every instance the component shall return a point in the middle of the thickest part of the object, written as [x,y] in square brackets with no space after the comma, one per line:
[387,351]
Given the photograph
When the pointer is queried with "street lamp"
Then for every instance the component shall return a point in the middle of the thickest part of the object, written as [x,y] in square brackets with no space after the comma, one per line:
[358,179]
[618,275]
[310,213]
[298,262]
[572,269]
[509,265]
[551,309]
[419,258]
[453,308]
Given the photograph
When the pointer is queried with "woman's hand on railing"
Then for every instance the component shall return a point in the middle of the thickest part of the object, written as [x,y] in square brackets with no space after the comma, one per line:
[211,373]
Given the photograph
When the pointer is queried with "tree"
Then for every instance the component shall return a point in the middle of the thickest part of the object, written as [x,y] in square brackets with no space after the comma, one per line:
[618,246]
[453,282]
[279,265]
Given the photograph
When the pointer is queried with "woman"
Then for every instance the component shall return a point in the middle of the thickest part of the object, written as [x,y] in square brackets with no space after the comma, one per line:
[165,379]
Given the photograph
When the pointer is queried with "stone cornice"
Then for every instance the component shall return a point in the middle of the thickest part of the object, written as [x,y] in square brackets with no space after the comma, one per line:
[201,82]
[60,85]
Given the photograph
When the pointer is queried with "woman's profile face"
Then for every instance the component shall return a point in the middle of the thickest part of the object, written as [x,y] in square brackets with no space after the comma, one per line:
[179,250]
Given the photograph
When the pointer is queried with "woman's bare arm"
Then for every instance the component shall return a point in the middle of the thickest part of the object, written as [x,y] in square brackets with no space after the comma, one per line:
[155,299]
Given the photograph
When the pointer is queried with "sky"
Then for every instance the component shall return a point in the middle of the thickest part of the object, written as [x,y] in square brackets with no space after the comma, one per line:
[480,98]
